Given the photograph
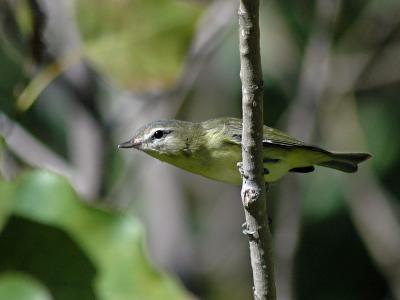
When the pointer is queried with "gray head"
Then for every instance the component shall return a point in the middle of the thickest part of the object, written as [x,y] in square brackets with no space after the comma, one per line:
[164,137]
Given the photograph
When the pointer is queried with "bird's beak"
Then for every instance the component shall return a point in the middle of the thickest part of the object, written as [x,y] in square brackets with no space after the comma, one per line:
[129,144]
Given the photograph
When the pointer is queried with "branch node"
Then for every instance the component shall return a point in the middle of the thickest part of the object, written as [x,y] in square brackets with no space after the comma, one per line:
[241,12]
[250,197]
[241,171]
[251,234]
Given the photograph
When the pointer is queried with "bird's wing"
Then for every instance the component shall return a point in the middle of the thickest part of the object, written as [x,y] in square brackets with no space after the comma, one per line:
[277,137]
[271,136]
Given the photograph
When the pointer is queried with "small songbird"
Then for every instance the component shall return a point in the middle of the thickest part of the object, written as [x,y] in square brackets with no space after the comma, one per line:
[213,149]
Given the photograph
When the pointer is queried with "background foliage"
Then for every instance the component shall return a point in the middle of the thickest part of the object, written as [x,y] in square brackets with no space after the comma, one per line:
[80,219]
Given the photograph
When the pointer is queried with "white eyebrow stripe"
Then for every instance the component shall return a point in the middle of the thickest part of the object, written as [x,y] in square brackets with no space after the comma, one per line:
[148,136]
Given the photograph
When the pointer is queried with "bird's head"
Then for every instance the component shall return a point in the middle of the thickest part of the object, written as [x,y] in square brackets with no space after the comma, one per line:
[162,138]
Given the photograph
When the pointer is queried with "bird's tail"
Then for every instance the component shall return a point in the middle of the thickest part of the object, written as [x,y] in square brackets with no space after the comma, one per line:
[346,162]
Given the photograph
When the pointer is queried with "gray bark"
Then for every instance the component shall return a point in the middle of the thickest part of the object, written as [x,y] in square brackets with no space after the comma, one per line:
[253,188]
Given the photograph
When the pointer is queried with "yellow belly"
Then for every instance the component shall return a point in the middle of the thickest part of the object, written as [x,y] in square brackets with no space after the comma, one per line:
[221,164]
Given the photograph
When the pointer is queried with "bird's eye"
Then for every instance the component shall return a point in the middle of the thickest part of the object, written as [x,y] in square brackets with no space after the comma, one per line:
[158,134]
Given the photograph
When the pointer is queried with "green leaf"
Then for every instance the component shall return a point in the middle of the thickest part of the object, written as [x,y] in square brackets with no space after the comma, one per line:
[6,191]
[108,246]
[138,43]
[17,286]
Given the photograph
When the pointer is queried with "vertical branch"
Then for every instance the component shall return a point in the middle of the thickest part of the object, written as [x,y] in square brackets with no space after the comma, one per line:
[253,188]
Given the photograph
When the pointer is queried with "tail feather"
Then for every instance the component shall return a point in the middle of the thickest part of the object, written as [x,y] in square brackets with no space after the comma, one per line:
[346,162]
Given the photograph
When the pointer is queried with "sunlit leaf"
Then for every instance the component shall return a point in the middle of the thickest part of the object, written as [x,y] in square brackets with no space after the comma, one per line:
[137,43]
[111,243]
[16,286]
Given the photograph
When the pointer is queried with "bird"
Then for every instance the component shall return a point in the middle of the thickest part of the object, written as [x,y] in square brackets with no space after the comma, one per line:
[212,149]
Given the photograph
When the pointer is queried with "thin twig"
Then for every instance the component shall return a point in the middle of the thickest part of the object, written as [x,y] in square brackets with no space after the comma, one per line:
[253,188]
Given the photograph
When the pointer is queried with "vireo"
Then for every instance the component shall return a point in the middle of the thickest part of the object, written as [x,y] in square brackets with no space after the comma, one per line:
[213,149]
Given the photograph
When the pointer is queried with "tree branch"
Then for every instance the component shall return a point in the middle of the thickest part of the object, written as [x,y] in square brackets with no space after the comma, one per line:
[253,188]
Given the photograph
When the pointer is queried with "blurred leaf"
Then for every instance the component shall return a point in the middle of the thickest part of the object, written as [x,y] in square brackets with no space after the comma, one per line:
[49,255]
[112,243]
[322,194]
[5,202]
[9,85]
[380,122]
[15,286]
[5,190]
[138,43]
[13,57]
